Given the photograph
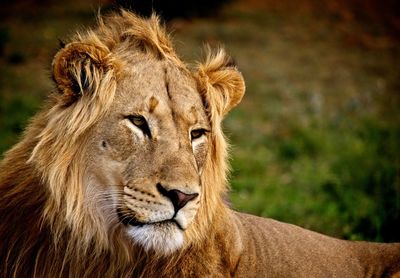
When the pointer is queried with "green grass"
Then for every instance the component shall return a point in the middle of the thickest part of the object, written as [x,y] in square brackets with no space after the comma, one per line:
[315,141]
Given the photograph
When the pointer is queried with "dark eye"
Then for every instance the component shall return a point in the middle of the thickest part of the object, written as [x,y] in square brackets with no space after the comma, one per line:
[197,133]
[141,123]
[138,121]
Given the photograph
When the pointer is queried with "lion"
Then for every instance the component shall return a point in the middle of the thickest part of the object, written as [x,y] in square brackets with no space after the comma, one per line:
[124,174]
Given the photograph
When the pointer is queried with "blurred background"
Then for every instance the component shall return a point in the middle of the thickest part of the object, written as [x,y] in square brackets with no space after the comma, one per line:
[316,140]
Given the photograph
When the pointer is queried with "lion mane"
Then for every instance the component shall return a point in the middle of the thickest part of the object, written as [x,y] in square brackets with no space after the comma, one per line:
[50,228]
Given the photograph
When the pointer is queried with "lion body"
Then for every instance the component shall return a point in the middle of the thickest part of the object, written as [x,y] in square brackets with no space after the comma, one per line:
[123,174]
[291,251]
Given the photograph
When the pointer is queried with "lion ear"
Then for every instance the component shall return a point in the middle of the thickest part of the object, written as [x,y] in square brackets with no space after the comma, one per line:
[220,83]
[78,69]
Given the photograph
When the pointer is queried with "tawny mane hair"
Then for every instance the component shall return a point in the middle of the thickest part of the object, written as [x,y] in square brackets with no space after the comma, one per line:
[41,177]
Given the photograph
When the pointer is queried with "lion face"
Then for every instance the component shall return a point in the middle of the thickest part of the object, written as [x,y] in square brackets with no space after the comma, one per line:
[149,151]
[131,148]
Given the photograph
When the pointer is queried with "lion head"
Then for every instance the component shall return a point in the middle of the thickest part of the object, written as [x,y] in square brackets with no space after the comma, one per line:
[131,143]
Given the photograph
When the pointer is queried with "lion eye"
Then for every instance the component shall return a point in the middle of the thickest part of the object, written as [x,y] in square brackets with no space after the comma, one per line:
[197,133]
[137,120]
[141,123]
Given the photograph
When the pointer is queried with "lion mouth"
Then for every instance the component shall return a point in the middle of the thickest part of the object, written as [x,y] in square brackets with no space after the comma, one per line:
[128,220]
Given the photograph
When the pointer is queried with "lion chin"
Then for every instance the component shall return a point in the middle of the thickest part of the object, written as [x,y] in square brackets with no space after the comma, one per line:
[162,237]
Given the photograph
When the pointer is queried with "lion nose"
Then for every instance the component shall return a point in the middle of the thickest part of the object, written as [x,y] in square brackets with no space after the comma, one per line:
[178,198]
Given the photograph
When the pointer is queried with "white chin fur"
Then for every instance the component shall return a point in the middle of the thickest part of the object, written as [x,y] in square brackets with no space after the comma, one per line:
[164,239]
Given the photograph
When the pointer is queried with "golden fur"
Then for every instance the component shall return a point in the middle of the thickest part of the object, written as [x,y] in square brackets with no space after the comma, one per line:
[79,162]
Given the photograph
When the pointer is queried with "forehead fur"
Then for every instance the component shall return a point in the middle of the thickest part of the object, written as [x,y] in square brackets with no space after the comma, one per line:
[98,58]
[125,34]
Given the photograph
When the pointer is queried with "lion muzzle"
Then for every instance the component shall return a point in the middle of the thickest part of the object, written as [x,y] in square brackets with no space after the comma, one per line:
[178,198]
